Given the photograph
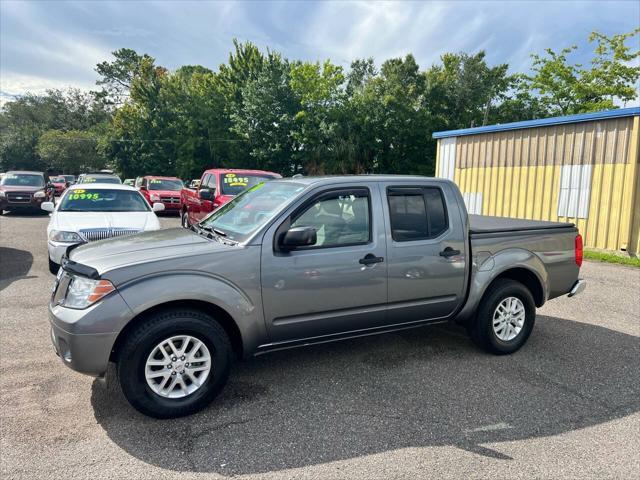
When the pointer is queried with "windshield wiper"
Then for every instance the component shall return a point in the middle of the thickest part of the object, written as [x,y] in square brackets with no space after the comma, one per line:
[218,232]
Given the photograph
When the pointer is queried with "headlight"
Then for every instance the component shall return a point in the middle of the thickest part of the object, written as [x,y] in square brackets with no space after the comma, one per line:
[39,194]
[83,292]
[2,194]
[155,198]
[64,237]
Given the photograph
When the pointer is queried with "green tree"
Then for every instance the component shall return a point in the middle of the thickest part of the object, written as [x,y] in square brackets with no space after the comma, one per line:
[116,77]
[72,151]
[566,88]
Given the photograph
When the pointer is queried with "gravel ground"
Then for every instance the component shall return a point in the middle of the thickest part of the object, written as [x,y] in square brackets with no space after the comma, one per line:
[417,404]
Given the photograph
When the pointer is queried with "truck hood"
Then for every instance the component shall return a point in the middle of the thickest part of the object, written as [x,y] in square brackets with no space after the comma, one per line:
[145,247]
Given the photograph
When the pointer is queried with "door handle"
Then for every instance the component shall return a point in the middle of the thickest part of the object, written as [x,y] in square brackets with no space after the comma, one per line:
[449,252]
[370,259]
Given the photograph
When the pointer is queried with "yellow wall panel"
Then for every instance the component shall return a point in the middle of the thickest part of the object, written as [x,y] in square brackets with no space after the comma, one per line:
[518,173]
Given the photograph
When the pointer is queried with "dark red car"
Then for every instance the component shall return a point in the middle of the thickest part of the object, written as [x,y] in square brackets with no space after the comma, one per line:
[164,190]
[24,190]
[59,184]
[217,187]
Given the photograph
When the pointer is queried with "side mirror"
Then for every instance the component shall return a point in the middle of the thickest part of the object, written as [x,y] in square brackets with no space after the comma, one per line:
[158,207]
[47,206]
[298,237]
[206,194]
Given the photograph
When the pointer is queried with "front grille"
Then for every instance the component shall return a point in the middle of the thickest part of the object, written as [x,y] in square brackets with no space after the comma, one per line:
[169,200]
[17,197]
[92,234]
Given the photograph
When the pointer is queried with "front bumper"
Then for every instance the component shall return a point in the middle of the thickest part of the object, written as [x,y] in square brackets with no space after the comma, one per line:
[578,287]
[57,250]
[32,205]
[83,339]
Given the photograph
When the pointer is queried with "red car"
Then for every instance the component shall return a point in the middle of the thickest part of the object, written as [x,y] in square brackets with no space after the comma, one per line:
[217,187]
[164,190]
[59,183]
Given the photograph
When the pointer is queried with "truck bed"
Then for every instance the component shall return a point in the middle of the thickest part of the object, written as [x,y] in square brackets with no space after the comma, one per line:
[482,224]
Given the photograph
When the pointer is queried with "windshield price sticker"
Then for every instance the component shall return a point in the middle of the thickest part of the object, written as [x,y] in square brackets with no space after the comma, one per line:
[156,181]
[233,181]
[84,196]
[89,180]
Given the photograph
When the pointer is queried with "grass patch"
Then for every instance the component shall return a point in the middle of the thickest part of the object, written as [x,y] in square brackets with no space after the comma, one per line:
[611,258]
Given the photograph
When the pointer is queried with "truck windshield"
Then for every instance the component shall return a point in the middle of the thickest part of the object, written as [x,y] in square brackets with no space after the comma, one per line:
[103,200]
[22,180]
[165,184]
[250,210]
[236,183]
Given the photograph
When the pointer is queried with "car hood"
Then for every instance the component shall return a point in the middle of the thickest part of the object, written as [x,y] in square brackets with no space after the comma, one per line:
[145,247]
[75,221]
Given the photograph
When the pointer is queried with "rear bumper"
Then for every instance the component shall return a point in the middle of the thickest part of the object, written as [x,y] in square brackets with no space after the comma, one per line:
[578,287]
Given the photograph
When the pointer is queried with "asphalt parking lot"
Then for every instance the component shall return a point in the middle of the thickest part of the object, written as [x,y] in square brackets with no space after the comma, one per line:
[419,404]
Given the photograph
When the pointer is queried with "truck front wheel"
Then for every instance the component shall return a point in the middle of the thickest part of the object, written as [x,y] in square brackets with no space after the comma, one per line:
[174,363]
[505,317]
[185,219]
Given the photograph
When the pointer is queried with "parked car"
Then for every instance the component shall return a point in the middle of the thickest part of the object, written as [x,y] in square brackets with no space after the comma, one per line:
[71,179]
[24,190]
[129,181]
[98,178]
[165,190]
[59,184]
[297,261]
[217,187]
[89,212]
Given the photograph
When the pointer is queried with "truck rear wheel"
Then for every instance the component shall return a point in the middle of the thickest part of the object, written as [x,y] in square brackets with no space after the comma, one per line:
[175,363]
[505,317]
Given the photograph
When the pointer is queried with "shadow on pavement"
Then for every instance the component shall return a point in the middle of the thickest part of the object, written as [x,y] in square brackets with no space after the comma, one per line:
[421,387]
[15,264]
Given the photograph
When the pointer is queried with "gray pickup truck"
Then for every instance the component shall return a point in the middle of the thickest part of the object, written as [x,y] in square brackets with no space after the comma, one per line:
[300,261]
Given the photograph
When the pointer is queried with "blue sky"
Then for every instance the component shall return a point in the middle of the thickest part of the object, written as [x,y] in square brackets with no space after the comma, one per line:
[50,44]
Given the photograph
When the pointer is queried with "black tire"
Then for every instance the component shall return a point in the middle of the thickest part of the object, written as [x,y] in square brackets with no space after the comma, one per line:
[184,220]
[142,340]
[481,330]
[53,267]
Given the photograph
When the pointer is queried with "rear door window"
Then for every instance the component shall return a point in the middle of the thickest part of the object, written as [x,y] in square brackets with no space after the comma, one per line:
[416,213]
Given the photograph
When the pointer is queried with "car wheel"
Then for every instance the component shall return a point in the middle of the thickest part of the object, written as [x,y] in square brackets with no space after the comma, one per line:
[53,267]
[174,363]
[505,317]
[185,220]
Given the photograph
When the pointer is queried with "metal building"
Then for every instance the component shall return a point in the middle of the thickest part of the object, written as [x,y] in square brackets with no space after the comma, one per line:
[579,168]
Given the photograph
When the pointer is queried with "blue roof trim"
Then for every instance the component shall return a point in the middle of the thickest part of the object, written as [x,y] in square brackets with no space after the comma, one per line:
[544,122]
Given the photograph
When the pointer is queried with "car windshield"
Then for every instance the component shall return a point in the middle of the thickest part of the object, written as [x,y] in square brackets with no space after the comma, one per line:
[245,214]
[103,179]
[69,178]
[235,183]
[22,180]
[103,200]
[57,180]
[165,184]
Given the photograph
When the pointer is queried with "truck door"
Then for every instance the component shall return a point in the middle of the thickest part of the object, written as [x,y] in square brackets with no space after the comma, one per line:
[426,251]
[337,285]
[202,207]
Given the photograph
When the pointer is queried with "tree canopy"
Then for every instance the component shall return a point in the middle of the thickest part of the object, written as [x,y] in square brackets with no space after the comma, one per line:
[262,110]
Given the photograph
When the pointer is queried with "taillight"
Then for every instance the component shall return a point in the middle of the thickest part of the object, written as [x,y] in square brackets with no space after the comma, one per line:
[579,250]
